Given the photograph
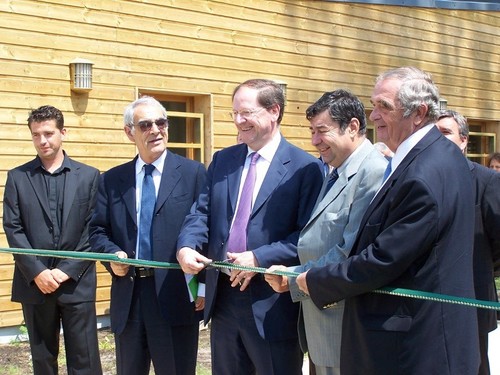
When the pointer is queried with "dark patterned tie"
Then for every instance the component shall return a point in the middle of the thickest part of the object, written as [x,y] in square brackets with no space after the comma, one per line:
[237,241]
[332,177]
[148,201]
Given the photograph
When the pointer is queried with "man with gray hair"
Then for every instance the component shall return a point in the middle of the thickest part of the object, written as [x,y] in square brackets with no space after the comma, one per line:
[486,185]
[417,233]
[139,212]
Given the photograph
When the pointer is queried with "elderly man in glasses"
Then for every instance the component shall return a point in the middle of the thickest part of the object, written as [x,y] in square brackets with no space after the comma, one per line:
[140,209]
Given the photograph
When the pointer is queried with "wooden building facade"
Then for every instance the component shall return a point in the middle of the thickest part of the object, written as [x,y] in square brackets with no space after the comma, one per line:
[191,55]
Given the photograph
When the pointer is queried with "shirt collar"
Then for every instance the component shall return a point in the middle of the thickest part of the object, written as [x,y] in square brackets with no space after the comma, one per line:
[267,152]
[408,144]
[65,164]
[158,163]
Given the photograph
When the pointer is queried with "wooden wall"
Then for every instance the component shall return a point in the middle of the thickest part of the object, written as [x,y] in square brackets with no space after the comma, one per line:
[201,46]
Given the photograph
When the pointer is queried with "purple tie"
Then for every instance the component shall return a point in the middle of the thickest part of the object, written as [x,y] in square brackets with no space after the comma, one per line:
[237,241]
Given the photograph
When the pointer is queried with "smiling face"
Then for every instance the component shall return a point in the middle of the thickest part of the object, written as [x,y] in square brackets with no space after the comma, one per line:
[392,128]
[150,143]
[47,139]
[259,125]
[333,144]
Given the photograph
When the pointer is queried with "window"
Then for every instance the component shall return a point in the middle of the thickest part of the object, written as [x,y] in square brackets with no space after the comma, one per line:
[480,144]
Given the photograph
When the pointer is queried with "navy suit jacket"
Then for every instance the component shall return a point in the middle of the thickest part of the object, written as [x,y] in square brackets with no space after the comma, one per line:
[486,184]
[282,208]
[114,227]
[417,234]
[27,224]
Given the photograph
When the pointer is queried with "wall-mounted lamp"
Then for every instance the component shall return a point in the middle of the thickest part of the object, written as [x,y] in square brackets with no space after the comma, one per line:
[283,85]
[443,104]
[81,75]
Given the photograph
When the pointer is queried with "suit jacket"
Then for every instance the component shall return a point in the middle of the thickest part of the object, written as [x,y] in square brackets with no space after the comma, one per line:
[327,238]
[417,234]
[114,227]
[282,207]
[486,184]
[27,224]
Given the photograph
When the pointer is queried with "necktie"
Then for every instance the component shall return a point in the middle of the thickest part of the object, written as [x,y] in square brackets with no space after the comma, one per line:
[332,177]
[387,171]
[237,241]
[148,201]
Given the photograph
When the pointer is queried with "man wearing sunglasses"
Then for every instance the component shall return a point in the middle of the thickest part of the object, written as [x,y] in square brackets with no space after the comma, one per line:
[253,329]
[140,209]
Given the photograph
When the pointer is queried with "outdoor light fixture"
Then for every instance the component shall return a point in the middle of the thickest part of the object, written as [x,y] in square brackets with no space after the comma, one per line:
[81,75]
[443,104]
[283,87]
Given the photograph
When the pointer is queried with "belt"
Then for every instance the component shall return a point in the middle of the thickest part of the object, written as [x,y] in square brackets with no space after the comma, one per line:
[144,272]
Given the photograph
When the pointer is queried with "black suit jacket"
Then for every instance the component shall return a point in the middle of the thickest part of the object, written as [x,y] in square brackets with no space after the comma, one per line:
[417,234]
[486,184]
[114,227]
[27,224]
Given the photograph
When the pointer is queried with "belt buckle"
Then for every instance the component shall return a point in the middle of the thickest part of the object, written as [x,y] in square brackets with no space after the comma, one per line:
[142,272]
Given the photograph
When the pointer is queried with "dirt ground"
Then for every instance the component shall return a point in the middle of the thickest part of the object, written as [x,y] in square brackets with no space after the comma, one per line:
[15,357]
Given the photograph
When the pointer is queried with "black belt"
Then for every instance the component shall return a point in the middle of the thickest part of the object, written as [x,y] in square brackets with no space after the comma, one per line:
[144,272]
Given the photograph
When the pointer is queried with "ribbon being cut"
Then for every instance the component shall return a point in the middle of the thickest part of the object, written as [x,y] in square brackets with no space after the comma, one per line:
[192,283]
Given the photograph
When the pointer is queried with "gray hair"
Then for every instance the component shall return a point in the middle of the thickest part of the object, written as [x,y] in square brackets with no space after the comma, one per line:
[128,115]
[416,88]
[463,126]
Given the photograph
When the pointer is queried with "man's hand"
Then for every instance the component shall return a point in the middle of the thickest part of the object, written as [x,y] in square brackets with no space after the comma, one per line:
[199,304]
[277,282]
[59,275]
[191,261]
[242,278]
[45,282]
[302,282]
[120,269]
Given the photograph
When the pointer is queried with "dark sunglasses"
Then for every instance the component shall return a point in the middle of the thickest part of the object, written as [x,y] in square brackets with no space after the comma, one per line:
[161,123]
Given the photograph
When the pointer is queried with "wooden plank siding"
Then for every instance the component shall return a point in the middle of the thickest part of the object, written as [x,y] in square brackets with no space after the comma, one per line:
[203,47]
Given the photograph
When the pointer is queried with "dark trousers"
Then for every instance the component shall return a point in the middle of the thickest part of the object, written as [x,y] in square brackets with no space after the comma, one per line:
[237,347]
[484,368]
[80,336]
[147,338]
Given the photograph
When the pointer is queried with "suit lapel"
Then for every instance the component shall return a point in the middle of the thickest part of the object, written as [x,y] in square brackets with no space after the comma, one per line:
[350,171]
[277,170]
[126,186]
[235,169]
[428,139]
[169,179]
[70,185]
[38,183]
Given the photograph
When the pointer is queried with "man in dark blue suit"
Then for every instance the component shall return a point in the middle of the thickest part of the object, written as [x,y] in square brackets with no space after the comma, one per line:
[417,234]
[486,186]
[151,313]
[253,328]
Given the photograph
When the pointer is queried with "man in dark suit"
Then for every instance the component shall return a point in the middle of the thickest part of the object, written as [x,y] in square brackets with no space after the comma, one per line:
[486,187]
[151,313]
[417,234]
[253,328]
[48,203]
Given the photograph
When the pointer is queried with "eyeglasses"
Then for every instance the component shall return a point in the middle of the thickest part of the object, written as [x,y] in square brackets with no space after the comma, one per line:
[245,113]
[146,125]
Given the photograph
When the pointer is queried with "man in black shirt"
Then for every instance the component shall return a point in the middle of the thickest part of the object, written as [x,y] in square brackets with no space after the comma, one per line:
[48,203]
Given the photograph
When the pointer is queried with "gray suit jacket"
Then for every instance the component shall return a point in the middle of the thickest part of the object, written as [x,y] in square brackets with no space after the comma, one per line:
[328,237]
